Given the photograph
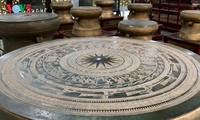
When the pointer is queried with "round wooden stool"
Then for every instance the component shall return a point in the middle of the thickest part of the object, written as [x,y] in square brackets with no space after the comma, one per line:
[190,20]
[139,29]
[139,11]
[107,7]
[62,8]
[87,21]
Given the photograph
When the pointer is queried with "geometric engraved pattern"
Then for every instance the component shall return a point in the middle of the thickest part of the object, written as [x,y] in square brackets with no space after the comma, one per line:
[100,76]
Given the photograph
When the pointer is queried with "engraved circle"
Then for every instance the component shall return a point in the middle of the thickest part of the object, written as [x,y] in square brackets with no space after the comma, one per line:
[81,62]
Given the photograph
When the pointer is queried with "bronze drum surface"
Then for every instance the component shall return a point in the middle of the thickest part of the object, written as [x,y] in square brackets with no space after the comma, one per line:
[100,77]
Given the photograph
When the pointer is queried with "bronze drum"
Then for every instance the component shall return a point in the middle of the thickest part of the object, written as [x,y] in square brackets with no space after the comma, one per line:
[87,21]
[18,30]
[100,78]
[62,8]
[139,11]
[139,29]
[190,25]
[107,8]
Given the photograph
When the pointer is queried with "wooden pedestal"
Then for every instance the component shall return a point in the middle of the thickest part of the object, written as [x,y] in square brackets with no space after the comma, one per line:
[110,23]
[66,26]
[174,39]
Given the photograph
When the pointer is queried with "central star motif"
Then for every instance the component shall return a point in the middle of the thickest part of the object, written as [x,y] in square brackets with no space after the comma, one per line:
[99,59]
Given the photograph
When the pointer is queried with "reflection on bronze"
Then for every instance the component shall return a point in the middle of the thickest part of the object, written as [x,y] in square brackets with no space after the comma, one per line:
[193,115]
[87,21]
[18,30]
[139,11]
[190,20]
[62,8]
[107,7]
[139,29]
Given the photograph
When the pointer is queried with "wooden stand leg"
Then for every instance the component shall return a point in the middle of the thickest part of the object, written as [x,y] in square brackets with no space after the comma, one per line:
[11,44]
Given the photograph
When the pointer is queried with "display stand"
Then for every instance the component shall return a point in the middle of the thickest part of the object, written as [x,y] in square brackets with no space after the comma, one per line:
[174,39]
[167,12]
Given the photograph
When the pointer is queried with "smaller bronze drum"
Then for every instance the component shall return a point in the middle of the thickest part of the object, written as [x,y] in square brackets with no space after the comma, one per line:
[87,21]
[19,30]
[107,7]
[139,11]
[62,8]
[139,29]
[190,20]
